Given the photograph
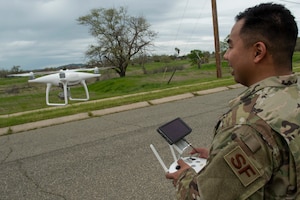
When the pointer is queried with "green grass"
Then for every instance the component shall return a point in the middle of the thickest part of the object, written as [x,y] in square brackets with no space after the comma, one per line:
[16,95]
[296,58]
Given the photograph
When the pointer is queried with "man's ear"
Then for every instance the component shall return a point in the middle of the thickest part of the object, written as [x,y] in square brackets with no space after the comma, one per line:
[259,51]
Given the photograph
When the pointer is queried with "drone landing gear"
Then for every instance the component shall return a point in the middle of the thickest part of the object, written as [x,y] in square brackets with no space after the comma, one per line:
[87,96]
[66,94]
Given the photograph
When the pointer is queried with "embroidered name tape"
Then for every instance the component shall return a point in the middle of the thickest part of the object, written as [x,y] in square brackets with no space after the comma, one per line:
[242,166]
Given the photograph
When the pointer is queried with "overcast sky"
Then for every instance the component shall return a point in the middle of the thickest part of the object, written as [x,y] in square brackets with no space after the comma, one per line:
[35,34]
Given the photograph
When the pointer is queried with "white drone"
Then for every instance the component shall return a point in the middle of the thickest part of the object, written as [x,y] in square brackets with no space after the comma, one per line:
[65,79]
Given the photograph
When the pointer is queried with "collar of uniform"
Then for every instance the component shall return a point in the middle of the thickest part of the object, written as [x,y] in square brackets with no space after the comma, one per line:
[274,81]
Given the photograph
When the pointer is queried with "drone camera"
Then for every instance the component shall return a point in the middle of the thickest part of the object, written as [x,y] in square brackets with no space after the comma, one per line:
[62,75]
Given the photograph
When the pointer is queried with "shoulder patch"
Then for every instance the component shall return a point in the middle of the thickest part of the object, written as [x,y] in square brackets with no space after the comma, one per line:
[242,166]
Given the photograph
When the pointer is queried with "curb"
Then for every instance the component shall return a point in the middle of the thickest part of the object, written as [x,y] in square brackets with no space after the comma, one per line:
[96,113]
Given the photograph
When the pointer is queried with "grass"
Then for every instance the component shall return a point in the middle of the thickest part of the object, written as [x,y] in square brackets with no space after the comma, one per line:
[16,95]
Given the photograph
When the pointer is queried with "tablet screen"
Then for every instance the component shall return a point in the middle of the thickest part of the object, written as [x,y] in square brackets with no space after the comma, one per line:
[174,130]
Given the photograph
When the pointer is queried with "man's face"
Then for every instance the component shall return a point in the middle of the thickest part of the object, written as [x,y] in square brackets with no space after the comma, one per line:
[238,56]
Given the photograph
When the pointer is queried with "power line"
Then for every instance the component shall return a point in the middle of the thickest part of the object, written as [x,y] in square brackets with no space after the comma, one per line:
[290,1]
[187,2]
[193,32]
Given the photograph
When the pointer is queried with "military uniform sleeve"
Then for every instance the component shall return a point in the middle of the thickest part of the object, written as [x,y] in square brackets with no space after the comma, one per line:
[241,164]
[238,168]
[187,185]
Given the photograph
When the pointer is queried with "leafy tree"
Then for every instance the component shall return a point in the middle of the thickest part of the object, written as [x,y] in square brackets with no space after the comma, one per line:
[3,73]
[224,45]
[199,57]
[119,37]
[177,51]
[15,69]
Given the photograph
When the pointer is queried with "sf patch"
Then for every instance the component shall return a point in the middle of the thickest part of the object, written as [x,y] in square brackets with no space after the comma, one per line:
[242,166]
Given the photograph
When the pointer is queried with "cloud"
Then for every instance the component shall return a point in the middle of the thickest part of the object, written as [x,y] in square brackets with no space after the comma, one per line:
[44,33]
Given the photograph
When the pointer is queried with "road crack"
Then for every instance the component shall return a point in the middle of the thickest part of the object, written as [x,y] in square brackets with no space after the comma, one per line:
[10,150]
[36,184]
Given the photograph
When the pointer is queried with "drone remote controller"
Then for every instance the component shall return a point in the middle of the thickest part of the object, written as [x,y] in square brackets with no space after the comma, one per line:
[196,163]
[174,132]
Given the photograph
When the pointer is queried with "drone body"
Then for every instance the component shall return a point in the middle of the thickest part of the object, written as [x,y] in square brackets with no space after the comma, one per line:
[65,79]
[68,76]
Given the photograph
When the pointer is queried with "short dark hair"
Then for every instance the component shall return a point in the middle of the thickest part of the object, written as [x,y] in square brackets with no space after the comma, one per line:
[272,24]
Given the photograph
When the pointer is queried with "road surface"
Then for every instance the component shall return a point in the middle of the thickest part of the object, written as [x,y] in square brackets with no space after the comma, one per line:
[105,157]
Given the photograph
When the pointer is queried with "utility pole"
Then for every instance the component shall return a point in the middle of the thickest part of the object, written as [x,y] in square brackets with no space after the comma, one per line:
[216,38]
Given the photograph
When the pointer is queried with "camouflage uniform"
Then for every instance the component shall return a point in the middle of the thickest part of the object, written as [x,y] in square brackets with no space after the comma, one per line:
[255,152]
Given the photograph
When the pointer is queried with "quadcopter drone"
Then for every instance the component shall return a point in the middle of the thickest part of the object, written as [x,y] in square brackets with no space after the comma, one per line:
[65,79]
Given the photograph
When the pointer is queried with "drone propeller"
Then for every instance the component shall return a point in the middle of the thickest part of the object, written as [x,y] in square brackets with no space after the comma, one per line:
[29,74]
[95,69]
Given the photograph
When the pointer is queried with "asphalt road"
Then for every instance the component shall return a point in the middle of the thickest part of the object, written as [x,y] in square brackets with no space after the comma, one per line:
[105,157]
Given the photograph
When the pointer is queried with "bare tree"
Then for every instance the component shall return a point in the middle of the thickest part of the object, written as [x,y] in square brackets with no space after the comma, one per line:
[119,37]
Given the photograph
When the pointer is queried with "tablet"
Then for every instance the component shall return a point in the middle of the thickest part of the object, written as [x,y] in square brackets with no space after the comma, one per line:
[174,130]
